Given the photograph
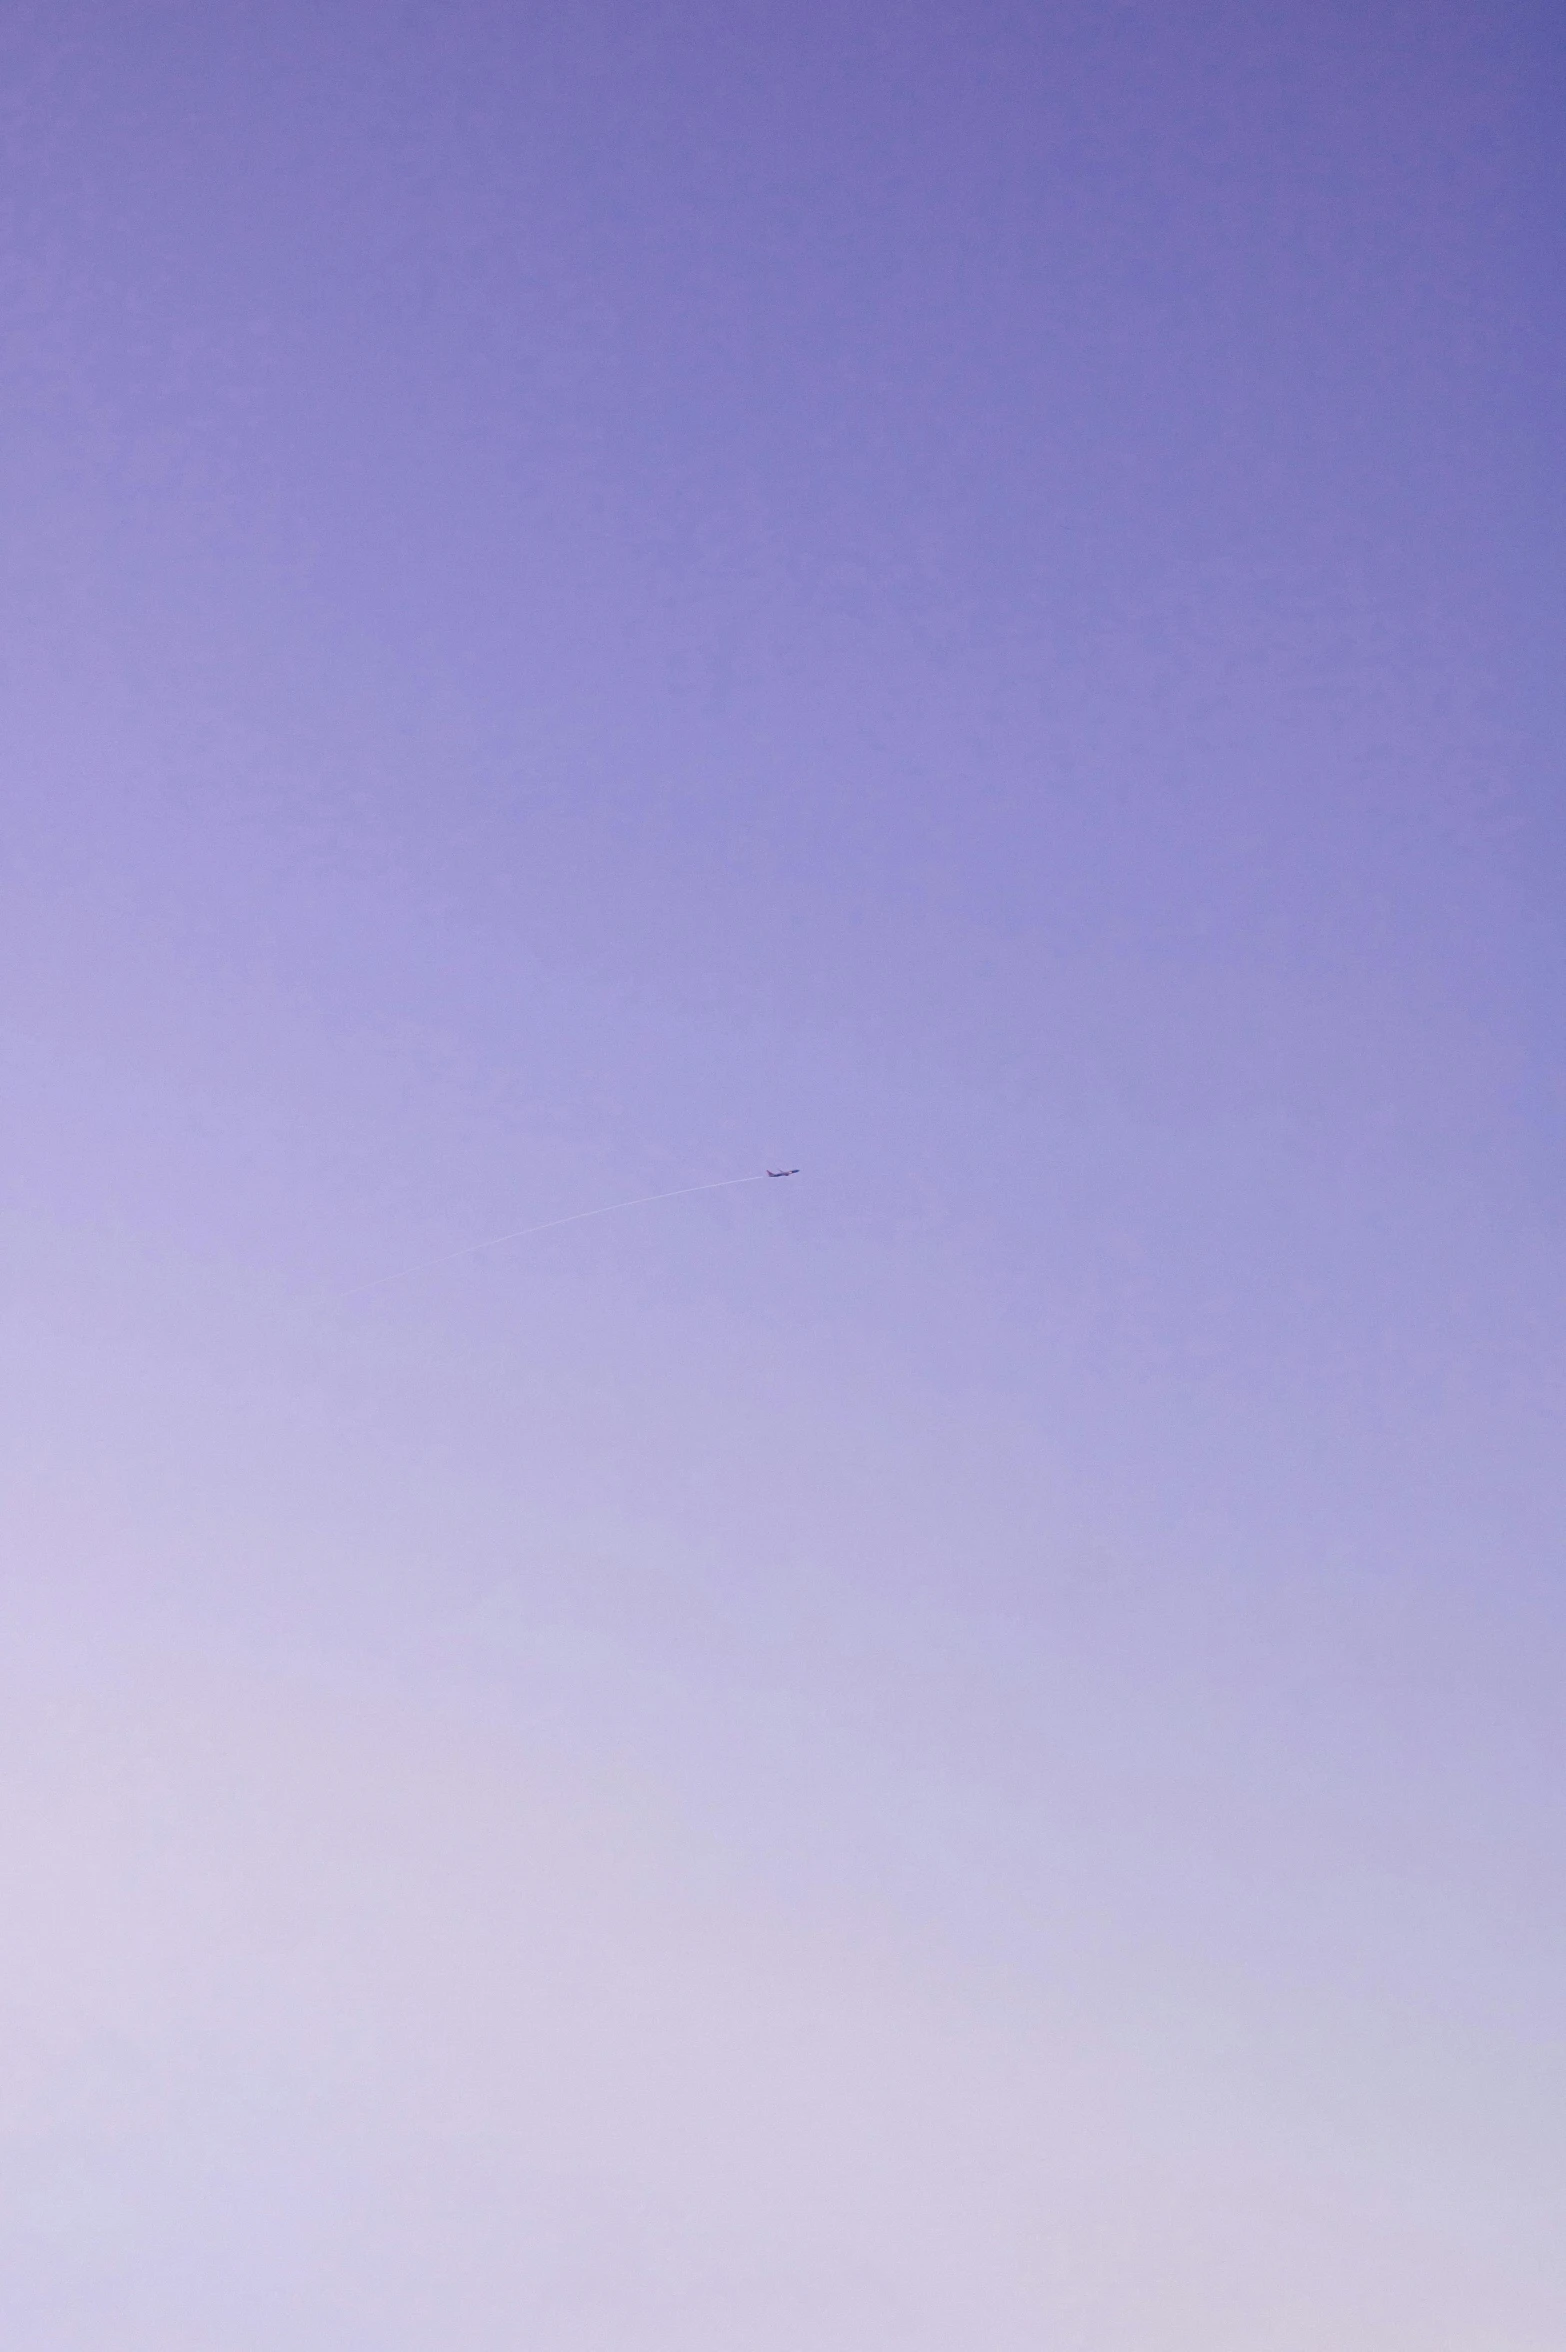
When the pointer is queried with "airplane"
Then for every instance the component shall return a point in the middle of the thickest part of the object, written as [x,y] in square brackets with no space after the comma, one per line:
[782,1171]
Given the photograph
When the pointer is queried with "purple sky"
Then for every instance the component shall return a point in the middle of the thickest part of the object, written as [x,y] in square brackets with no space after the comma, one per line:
[965,1751]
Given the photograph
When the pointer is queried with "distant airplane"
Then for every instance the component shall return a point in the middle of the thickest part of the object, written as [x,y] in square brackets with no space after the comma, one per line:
[782,1171]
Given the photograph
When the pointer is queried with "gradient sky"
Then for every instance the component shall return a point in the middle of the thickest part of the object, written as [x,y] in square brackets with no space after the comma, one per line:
[965,1751]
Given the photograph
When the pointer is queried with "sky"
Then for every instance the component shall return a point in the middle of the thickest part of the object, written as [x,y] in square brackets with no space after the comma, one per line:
[965,1749]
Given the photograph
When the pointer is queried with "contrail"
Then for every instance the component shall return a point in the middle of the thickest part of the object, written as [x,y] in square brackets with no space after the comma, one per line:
[520,1232]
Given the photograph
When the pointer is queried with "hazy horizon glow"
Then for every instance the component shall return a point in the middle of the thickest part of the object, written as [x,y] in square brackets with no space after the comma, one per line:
[964,1750]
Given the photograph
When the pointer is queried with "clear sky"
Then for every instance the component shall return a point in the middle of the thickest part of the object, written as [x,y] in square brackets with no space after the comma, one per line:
[964,1751]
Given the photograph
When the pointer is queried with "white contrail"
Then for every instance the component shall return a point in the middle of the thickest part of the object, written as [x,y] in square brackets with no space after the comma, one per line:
[520,1232]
